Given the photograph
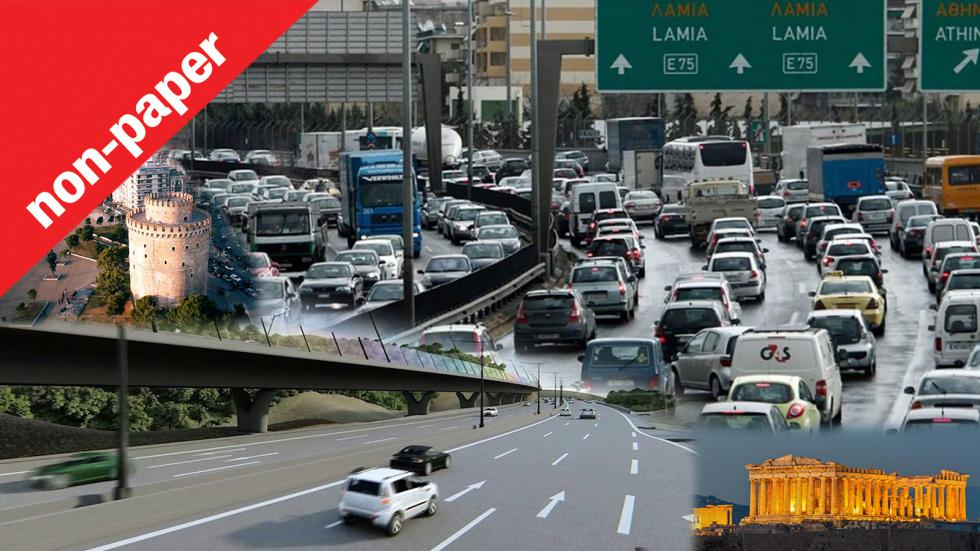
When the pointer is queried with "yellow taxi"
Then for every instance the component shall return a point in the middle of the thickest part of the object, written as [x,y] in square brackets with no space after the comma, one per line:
[841,292]
[789,393]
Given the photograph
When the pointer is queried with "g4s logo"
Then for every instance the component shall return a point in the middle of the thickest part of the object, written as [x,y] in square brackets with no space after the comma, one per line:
[772,352]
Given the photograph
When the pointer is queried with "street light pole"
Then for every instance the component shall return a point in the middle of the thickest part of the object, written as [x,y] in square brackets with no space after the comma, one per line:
[481,389]
[469,102]
[539,389]
[510,107]
[408,182]
[122,489]
[535,156]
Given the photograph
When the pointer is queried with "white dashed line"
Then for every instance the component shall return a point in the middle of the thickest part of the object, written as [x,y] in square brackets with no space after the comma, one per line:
[459,533]
[547,434]
[236,465]
[251,457]
[376,441]
[636,446]
[222,451]
[189,461]
[626,517]
[557,461]
[586,437]
[351,437]
[449,428]
[505,453]
[633,435]
[333,524]
[25,472]
[634,466]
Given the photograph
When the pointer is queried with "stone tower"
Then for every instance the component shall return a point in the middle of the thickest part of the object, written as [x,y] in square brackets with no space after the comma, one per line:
[168,249]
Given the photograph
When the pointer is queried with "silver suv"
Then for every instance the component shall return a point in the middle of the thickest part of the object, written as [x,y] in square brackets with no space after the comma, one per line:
[608,287]
[706,361]
[387,497]
[851,333]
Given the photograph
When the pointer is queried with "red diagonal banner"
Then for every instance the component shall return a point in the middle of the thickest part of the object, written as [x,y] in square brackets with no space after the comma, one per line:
[91,89]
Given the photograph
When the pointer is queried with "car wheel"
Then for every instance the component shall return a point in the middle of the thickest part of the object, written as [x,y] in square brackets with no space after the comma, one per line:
[715,386]
[432,507]
[656,234]
[678,384]
[394,525]
[838,417]
[762,296]
[522,346]
[448,463]
[643,273]
[624,315]
[871,369]
[427,469]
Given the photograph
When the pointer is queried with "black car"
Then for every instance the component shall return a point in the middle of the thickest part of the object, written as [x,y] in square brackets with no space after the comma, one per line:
[910,240]
[813,231]
[553,316]
[670,221]
[786,228]
[420,459]
[430,212]
[331,283]
[863,265]
[511,167]
[445,268]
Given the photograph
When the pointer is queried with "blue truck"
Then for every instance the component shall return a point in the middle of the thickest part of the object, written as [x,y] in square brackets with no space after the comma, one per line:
[371,197]
[842,173]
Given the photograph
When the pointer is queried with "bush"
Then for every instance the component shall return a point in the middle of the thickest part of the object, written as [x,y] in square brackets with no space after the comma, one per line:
[88,232]
[72,240]
[115,304]
[640,400]
[145,310]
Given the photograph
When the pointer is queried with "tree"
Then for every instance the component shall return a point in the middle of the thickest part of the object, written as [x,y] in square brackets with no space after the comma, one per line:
[121,234]
[73,240]
[112,257]
[145,310]
[112,218]
[111,281]
[52,260]
[88,233]
[719,116]
[32,295]
[116,303]
[783,116]
[88,221]
[192,312]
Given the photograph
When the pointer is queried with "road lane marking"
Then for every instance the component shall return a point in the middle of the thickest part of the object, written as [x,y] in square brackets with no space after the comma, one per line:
[222,451]
[25,472]
[547,434]
[449,428]
[351,437]
[459,533]
[633,434]
[376,441]
[424,426]
[568,423]
[557,461]
[634,466]
[189,461]
[332,524]
[505,453]
[657,438]
[920,355]
[465,491]
[586,437]
[595,425]
[626,516]
[251,457]
[636,446]
[794,318]
[235,466]
[552,502]
[508,433]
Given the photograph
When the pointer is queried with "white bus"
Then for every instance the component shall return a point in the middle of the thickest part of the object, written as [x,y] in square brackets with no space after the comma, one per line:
[700,158]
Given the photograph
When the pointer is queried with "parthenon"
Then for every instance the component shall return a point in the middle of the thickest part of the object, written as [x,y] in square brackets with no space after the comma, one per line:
[793,489]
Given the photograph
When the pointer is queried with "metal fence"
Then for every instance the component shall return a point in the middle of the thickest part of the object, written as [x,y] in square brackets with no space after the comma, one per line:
[506,201]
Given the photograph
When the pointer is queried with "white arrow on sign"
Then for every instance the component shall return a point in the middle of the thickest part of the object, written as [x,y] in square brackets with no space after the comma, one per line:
[621,64]
[553,501]
[689,518]
[972,56]
[740,64]
[465,491]
[860,63]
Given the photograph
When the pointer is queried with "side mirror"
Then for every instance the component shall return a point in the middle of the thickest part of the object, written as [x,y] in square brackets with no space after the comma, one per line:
[631,279]
[931,328]
[765,250]
[812,293]
[933,307]
[420,272]
[705,267]
[581,358]
[642,246]
[736,322]
[841,355]
[958,363]
[892,432]
[909,390]
[668,288]
[884,271]
[498,347]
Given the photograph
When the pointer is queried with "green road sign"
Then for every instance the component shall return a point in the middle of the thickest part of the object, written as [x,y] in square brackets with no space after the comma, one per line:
[767,45]
[758,132]
[949,42]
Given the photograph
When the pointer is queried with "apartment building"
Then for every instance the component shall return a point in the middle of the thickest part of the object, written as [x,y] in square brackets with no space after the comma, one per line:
[150,179]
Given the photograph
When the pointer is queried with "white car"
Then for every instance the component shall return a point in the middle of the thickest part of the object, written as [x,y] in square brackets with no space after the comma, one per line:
[490,412]
[565,412]
[742,270]
[387,497]
[770,210]
[392,267]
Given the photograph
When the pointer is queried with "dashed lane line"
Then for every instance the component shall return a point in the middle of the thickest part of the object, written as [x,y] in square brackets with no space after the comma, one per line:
[235,466]
[462,531]
[626,516]
[557,461]
[212,458]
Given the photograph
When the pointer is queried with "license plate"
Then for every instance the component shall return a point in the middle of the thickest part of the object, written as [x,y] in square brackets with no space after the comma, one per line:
[875,215]
[595,295]
[620,382]
[548,336]
[324,295]
[959,345]
[847,306]
[734,278]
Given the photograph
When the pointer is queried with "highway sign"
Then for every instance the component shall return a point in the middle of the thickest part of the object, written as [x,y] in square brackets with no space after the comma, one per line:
[767,45]
[759,132]
[949,46]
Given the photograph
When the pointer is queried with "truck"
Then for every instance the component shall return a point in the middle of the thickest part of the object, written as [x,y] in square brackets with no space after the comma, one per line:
[843,173]
[641,169]
[288,233]
[452,148]
[319,150]
[798,139]
[710,200]
[371,197]
[632,134]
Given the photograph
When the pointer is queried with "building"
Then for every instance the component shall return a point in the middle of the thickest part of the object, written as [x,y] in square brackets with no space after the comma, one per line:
[793,489]
[712,515]
[168,248]
[151,179]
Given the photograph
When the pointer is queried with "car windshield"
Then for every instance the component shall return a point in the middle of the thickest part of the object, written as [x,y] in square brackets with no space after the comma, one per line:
[641,196]
[547,302]
[798,185]
[964,281]
[932,386]
[941,423]
[498,233]
[770,393]
[240,188]
[219,184]
[464,341]
[735,247]
[595,274]
[771,202]
[467,214]
[380,193]
[847,249]
[366,487]
[724,154]
[673,209]
[844,287]
[961,263]
[323,271]
[605,247]
[268,288]
[483,251]
[857,266]
[961,318]
[620,355]
[358,258]
[844,330]
[244,175]
[492,219]
[699,293]
[822,210]
[447,265]
[382,248]
[258,261]
[943,251]
[688,320]
[326,203]
[878,203]
[280,181]
[232,202]
[736,264]
[386,292]
[282,223]
[276,193]
[730,225]
[736,421]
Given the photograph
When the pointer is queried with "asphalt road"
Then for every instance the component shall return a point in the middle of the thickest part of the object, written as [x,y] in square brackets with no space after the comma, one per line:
[556,481]
[903,352]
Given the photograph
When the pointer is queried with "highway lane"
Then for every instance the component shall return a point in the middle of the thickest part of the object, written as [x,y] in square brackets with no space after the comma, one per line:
[577,484]
[903,352]
[185,461]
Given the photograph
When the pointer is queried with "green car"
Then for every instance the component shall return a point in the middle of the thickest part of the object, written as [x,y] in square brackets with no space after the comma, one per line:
[81,468]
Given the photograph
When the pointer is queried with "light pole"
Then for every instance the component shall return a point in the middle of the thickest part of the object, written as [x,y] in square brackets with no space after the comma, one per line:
[510,106]
[536,207]
[539,364]
[481,389]
[469,109]
[122,490]
[408,182]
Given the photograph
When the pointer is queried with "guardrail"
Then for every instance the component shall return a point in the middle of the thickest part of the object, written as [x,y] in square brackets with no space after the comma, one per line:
[221,170]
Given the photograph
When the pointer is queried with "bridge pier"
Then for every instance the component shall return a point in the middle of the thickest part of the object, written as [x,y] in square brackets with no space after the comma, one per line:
[420,405]
[252,411]
[465,402]
[494,399]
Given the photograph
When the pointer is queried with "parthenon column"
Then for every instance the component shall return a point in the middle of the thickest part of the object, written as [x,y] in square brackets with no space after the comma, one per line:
[787,495]
[833,496]
[962,503]
[809,495]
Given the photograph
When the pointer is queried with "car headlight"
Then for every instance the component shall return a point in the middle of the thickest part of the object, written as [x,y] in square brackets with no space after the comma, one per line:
[415,235]
[450,160]
[374,275]
[345,289]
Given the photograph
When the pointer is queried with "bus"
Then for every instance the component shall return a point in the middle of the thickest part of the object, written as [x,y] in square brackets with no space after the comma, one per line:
[953,183]
[699,158]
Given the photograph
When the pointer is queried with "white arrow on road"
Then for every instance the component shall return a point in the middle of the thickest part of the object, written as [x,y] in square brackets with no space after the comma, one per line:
[465,491]
[621,64]
[972,56]
[860,63]
[740,64]
[689,518]
[553,501]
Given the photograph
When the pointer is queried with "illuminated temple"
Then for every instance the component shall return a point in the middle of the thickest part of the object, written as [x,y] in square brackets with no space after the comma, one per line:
[793,489]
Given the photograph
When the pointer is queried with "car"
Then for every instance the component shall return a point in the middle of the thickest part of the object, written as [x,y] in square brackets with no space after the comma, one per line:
[616,227]
[588,413]
[874,213]
[367,263]
[224,156]
[445,268]
[743,272]
[940,252]
[328,206]
[80,468]
[729,233]
[866,265]
[599,216]
[943,230]
[946,388]
[642,205]
[261,157]
[561,219]
[295,196]
[905,210]
[514,166]
[839,291]
[625,246]
[770,211]
[460,223]
[420,459]
[389,290]
[392,267]
[579,157]
[275,297]
[397,243]
[832,231]
[483,253]
[604,177]
[757,417]
[814,210]
[705,288]
[508,236]
[955,327]
[488,158]
[430,209]
[260,265]
[553,316]
[733,223]
[786,230]
[387,497]
[626,363]
[927,420]
[789,393]
[490,412]
[567,168]
[331,283]
[670,221]
[849,332]
[958,280]
[705,361]
[954,262]
[912,237]
[680,321]
[565,412]
[742,245]
[443,212]
[276,181]
[607,287]
[243,175]
[472,339]
[793,190]
[491,218]
[898,191]
[840,248]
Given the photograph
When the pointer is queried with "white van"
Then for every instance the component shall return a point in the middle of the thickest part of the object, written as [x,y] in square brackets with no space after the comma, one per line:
[586,199]
[944,229]
[956,327]
[806,353]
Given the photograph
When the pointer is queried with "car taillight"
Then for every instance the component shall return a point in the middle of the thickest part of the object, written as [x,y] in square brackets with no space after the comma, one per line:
[916,405]
[795,411]
[818,305]
[928,251]
[630,205]
[803,224]
[939,344]
[785,194]
[872,304]
[860,216]
[823,246]
[573,316]
[521,314]
[590,254]
[635,254]
[622,289]
[821,387]
[944,277]
[725,361]
[661,336]
[385,500]
[827,260]
[654,383]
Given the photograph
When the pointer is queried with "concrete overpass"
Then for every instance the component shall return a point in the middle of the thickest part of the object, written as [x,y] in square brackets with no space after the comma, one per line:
[88,355]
